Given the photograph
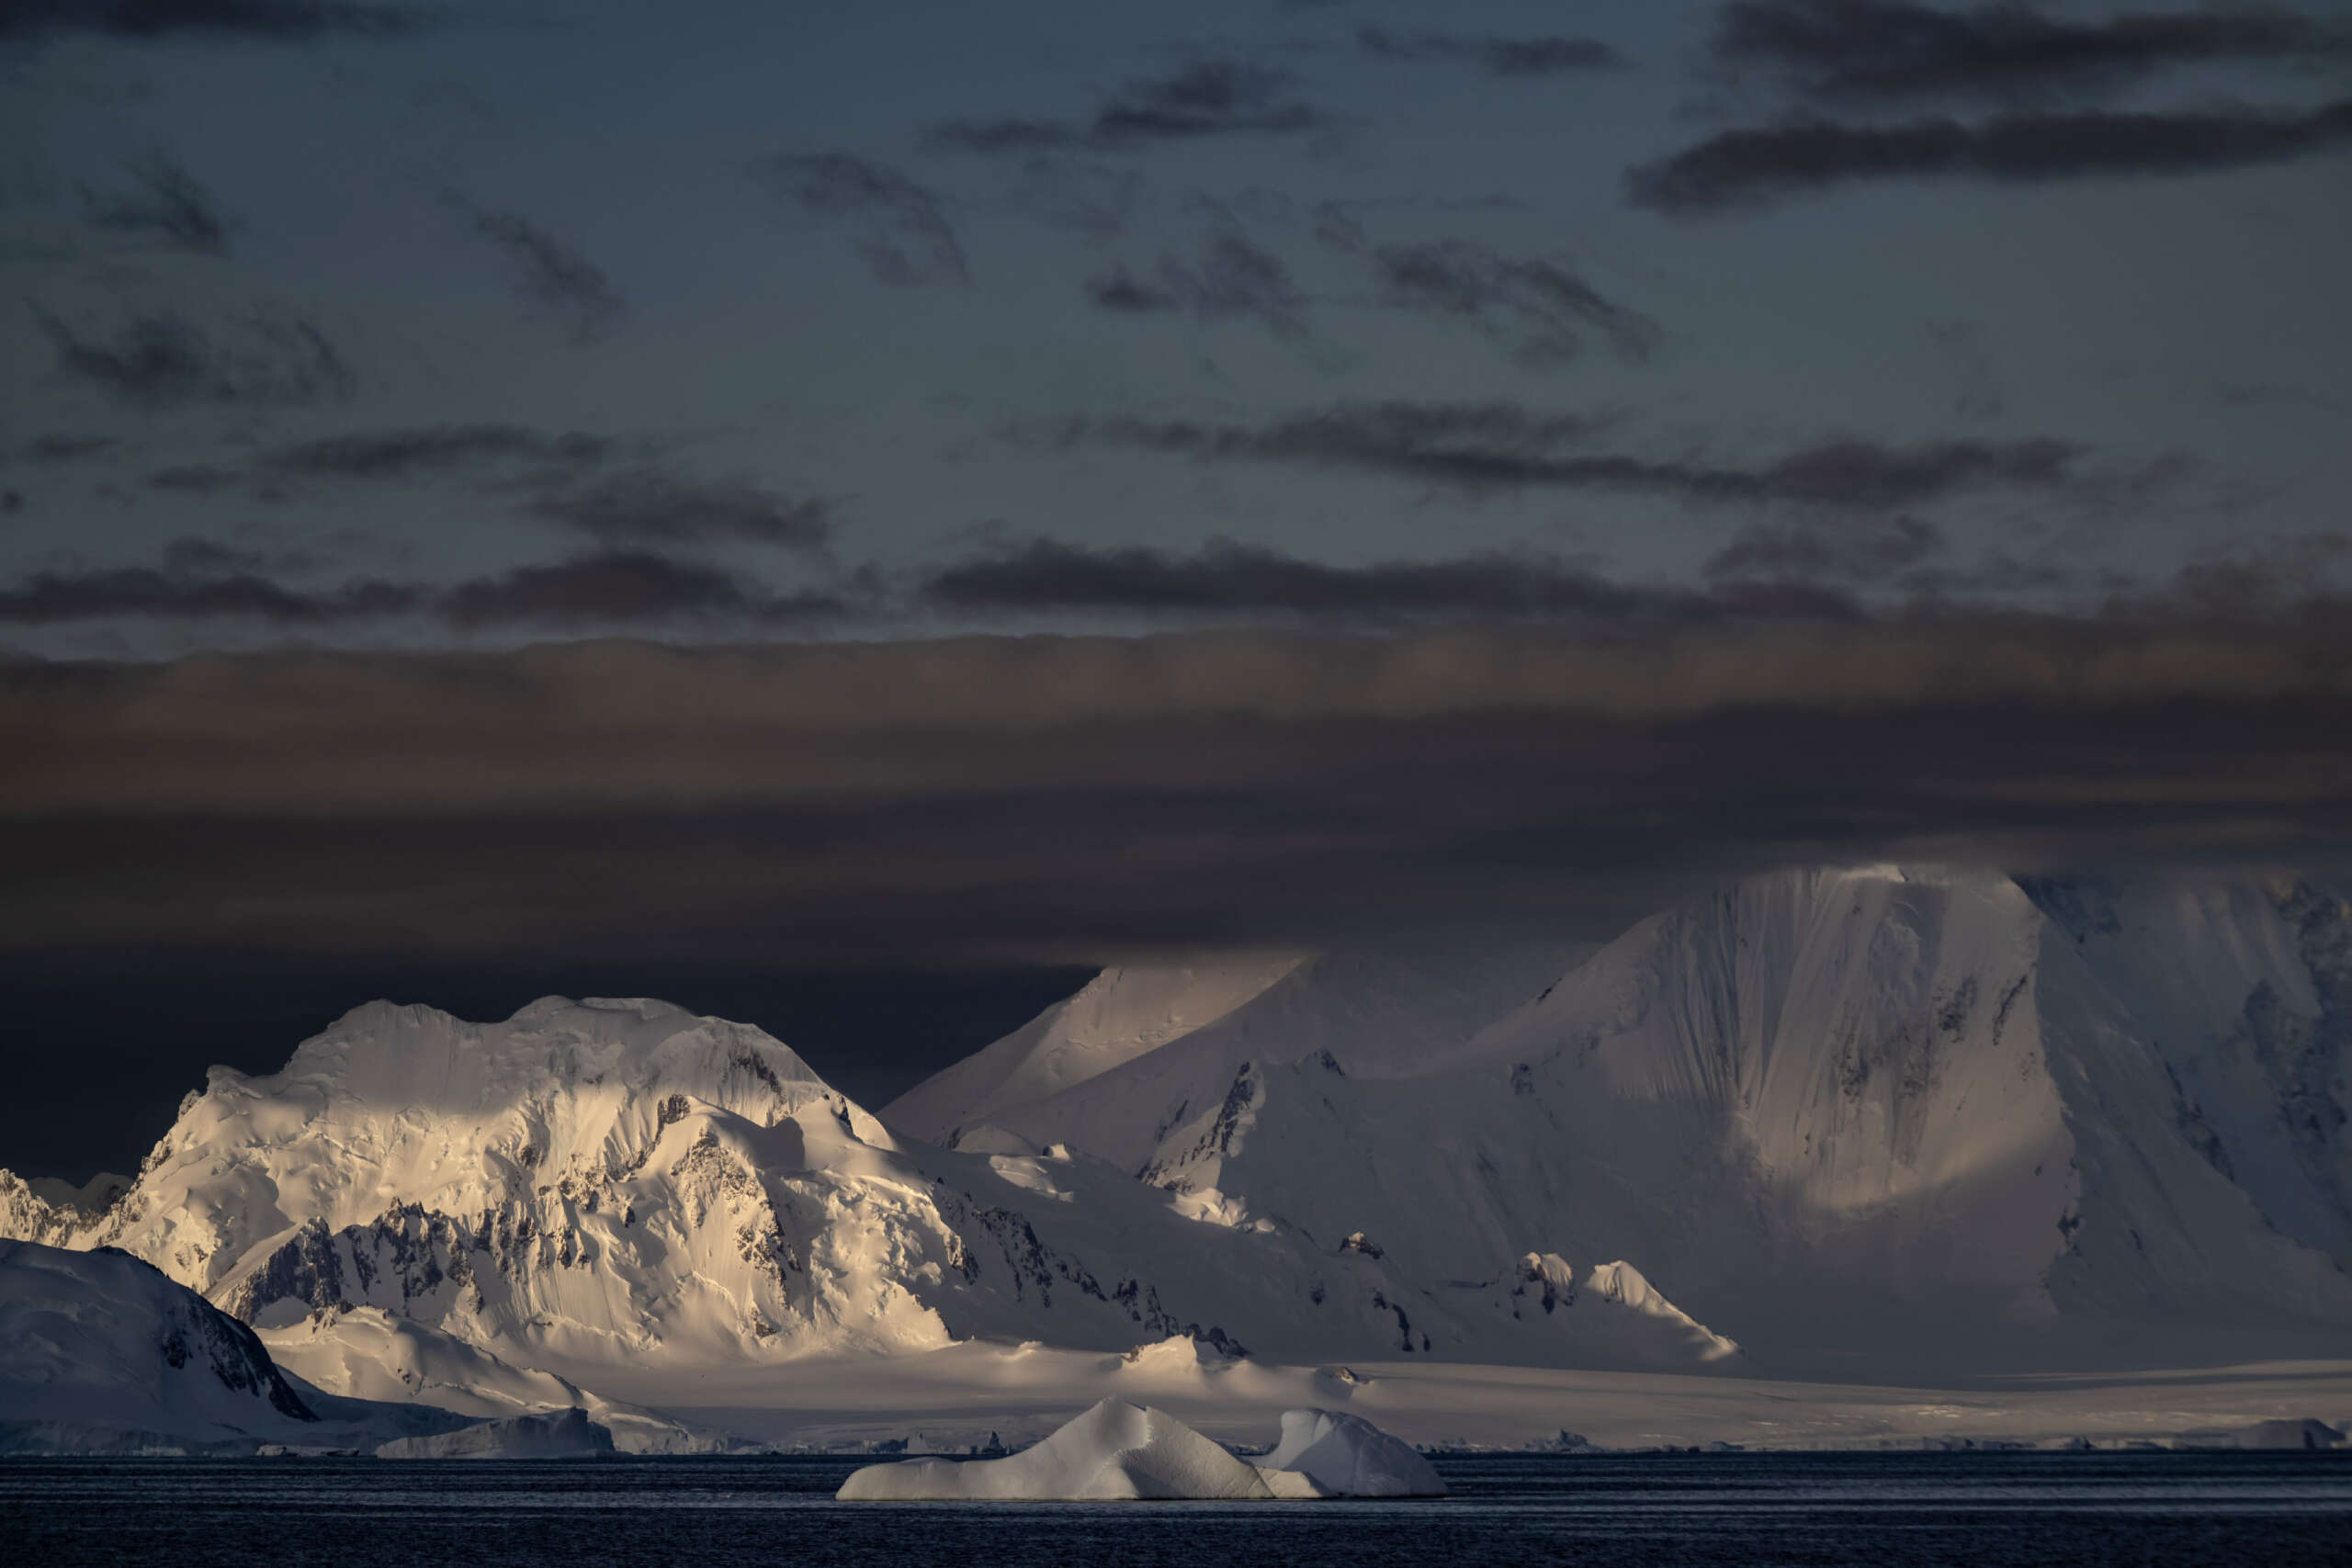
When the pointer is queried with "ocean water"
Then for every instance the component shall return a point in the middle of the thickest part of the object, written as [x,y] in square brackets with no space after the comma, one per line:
[1880,1509]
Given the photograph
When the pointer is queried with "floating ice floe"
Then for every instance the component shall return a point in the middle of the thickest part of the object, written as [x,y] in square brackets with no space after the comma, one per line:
[1121,1451]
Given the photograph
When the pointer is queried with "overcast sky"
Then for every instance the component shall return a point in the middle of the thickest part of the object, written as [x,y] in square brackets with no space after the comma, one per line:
[1488,463]
[482,323]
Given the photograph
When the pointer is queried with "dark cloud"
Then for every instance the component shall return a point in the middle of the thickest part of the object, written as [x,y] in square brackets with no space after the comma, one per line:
[504,457]
[1226,577]
[1210,97]
[198,479]
[61,449]
[623,588]
[1206,99]
[1870,553]
[178,593]
[1228,275]
[1475,446]
[650,505]
[563,478]
[1538,311]
[166,201]
[434,449]
[161,357]
[1738,168]
[1086,198]
[191,556]
[1503,447]
[205,579]
[1497,56]
[1337,228]
[1997,577]
[551,271]
[2274,582]
[1868,473]
[291,21]
[884,801]
[900,227]
[1120,289]
[1886,49]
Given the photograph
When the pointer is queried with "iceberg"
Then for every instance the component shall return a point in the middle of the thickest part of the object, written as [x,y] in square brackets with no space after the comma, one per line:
[1347,1456]
[1115,1450]
[1122,1450]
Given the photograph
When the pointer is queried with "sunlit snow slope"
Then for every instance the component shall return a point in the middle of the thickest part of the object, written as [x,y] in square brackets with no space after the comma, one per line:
[607,1183]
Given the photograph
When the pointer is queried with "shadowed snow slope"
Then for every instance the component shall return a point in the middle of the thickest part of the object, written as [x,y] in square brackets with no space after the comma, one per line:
[622,1184]
[1122,1014]
[103,1341]
[1144,1048]
[1836,1108]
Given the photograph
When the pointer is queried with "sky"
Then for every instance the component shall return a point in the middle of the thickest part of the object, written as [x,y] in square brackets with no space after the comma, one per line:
[921,496]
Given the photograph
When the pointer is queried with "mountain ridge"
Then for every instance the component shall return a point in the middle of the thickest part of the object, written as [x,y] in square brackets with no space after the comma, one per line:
[1926,1117]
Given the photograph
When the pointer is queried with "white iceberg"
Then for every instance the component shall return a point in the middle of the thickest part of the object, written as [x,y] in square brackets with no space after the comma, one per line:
[1115,1450]
[1122,1450]
[1347,1456]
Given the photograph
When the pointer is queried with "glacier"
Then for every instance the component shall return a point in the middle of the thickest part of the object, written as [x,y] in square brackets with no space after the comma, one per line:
[566,1433]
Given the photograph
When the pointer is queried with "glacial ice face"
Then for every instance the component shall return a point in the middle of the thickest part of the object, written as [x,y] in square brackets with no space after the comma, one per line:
[564,1434]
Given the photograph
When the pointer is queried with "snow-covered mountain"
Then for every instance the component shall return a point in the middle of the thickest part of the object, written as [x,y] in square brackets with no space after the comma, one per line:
[100,1349]
[1834,1108]
[1900,1113]
[607,1183]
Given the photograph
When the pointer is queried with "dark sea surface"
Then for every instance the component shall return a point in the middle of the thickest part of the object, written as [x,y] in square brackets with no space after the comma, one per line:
[1879,1509]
